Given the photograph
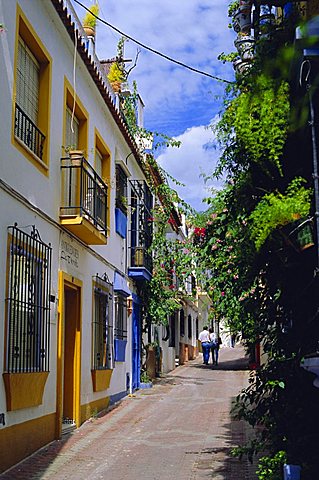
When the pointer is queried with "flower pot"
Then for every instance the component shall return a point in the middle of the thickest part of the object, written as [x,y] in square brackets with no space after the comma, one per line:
[89,31]
[241,67]
[299,234]
[76,156]
[116,85]
[242,19]
[245,45]
[139,257]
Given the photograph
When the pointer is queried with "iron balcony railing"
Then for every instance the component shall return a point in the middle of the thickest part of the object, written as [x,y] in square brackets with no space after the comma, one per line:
[84,192]
[141,226]
[26,130]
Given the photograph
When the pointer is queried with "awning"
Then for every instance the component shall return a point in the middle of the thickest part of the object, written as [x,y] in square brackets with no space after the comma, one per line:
[120,285]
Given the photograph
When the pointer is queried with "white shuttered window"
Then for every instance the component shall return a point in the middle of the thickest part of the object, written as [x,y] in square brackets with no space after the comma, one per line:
[28,73]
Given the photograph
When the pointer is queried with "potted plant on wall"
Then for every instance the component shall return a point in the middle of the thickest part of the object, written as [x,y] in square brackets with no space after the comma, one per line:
[287,212]
[89,20]
[116,76]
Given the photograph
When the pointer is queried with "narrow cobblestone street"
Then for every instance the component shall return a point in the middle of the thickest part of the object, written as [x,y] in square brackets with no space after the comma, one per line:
[179,429]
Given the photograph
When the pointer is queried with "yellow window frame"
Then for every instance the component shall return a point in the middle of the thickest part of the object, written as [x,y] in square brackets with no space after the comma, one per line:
[27,33]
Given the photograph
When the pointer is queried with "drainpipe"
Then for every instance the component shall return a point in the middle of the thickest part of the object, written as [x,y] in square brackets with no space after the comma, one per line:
[306,69]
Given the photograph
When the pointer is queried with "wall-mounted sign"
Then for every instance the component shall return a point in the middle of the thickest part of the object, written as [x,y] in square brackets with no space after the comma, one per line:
[69,254]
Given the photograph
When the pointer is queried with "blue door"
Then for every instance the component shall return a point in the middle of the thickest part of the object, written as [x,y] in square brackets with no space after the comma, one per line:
[136,342]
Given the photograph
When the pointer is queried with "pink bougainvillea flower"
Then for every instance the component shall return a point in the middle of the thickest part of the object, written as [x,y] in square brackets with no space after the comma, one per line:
[222,294]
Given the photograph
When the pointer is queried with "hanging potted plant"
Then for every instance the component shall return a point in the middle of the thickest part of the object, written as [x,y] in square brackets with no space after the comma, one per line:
[242,19]
[89,20]
[245,45]
[286,212]
[241,67]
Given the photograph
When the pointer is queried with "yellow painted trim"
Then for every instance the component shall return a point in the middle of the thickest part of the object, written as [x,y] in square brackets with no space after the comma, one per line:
[80,112]
[24,390]
[84,230]
[90,409]
[19,441]
[27,32]
[106,168]
[64,280]
[101,379]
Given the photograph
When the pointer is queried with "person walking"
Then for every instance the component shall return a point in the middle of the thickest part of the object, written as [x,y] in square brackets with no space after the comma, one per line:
[203,337]
[214,346]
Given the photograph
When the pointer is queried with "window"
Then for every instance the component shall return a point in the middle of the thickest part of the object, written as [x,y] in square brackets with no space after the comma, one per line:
[28,308]
[75,121]
[172,330]
[189,326]
[182,323]
[72,126]
[28,76]
[121,189]
[102,162]
[120,330]
[102,324]
[32,95]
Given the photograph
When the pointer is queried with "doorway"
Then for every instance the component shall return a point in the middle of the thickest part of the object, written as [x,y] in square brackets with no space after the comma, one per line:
[69,356]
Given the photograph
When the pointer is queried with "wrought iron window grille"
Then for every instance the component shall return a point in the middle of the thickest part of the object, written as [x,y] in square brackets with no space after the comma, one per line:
[121,189]
[28,302]
[102,323]
[120,330]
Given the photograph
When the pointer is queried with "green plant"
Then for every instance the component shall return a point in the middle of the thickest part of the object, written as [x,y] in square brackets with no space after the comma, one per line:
[254,126]
[116,73]
[145,377]
[270,468]
[233,7]
[90,19]
[276,210]
[227,57]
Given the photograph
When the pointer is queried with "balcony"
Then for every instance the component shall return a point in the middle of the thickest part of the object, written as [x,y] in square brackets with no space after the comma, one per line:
[141,231]
[141,264]
[84,200]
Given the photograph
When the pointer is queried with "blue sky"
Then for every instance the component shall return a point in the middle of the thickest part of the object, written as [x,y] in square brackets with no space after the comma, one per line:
[177,101]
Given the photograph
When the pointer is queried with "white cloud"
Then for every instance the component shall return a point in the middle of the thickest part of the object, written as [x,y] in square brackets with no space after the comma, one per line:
[177,101]
[194,32]
[189,162]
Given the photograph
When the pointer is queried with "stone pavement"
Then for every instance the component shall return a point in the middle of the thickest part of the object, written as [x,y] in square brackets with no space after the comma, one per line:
[180,429]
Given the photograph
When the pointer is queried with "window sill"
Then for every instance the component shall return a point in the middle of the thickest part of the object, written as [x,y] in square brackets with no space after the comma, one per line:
[101,379]
[24,390]
[24,149]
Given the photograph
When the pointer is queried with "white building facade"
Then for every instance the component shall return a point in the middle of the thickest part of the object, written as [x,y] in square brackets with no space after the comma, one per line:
[73,262]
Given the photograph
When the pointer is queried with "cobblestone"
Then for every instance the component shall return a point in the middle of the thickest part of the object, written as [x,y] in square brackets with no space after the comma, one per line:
[180,429]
